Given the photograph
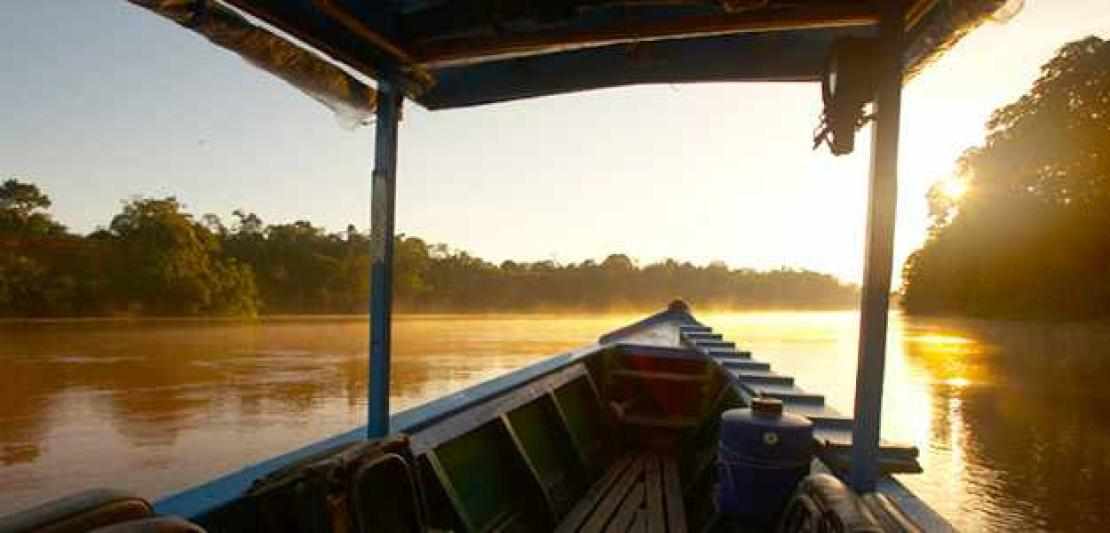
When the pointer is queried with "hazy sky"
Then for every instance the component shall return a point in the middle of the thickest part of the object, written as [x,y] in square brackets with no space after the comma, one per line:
[101,101]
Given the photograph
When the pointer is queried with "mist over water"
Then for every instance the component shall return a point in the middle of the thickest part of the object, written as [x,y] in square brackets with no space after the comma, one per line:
[1010,418]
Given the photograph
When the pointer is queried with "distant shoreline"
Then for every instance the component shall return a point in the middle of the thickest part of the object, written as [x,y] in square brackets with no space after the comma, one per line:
[278,317]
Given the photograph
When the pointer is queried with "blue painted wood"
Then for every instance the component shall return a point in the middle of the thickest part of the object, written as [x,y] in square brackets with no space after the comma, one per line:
[402,28]
[923,516]
[728,353]
[790,395]
[878,263]
[784,56]
[382,211]
[752,377]
[695,328]
[658,351]
[746,364]
[712,343]
[669,315]
[702,335]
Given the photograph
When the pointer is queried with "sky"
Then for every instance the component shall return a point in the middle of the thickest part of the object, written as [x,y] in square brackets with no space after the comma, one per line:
[102,101]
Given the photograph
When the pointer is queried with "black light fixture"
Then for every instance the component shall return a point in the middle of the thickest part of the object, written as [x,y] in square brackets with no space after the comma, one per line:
[847,86]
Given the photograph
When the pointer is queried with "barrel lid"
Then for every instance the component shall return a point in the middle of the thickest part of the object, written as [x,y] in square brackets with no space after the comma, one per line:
[763,406]
[777,417]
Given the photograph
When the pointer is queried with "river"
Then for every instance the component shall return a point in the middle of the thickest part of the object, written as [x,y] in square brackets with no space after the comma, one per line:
[1013,420]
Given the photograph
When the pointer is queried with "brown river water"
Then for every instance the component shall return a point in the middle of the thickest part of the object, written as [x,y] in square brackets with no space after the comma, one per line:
[1013,420]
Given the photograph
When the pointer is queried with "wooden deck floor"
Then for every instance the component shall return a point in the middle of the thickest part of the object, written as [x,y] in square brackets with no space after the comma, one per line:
[640,492]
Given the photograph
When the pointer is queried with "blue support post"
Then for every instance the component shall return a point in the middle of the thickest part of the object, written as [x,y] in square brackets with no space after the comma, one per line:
[879,253]
[382,200]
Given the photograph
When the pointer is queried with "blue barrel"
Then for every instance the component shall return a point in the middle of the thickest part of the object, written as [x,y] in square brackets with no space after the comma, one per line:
[764,453]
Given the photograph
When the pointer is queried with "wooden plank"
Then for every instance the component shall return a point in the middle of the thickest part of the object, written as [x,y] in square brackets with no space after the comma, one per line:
[639,523]
[527,459]
[597,490]
[583,458]
[623,519]
[753,377]
[507,520]
[746,364]
[714,345]
[460,423]
[609,504]
[672,489]
[654,520]
[661,376]
[670,422]
[789,395]
[694,328]
[695,335]
[449,487]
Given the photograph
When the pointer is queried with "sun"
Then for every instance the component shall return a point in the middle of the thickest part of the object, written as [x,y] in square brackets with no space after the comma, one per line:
[953,188]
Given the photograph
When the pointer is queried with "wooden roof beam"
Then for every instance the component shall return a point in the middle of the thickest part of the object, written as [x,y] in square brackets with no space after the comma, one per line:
[473,50]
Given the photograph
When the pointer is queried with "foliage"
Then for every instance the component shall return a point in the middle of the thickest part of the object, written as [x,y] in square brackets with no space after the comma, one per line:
[1029,238]
[22,207]
[156,259]
[164,262]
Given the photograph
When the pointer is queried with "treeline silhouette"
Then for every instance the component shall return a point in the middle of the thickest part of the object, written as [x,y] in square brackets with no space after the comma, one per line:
[154,258]
[1031,236]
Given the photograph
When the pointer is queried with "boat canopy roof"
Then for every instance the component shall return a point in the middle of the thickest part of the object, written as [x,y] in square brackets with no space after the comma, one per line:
[457,53]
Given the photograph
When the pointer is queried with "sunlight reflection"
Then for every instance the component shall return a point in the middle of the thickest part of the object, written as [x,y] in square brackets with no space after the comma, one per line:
[939,339]
[946,358]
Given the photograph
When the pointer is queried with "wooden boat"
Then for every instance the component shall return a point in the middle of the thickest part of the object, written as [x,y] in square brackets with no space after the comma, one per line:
[627,433]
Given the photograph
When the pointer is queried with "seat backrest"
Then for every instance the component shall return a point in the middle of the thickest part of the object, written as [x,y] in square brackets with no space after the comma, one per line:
[154,524]
[823,503]
[343,489]
[78,513]
[385,496]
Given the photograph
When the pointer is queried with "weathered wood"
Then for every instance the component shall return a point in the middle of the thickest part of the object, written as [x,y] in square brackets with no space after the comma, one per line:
[460,423]
[449,488]
[789,395]
[647,497]
[472,50]
[588,502]
[672,489]
[623,519]
[654,520]
[613,498]
[639,523]
[651,375]
[670,422]
[533,472]
[745,364]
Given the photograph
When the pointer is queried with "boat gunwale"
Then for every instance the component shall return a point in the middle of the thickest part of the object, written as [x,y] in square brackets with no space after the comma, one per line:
[198,501]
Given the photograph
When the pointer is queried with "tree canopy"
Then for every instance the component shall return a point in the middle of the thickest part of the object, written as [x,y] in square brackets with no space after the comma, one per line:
[1029,237]
[154,258]
[22,210]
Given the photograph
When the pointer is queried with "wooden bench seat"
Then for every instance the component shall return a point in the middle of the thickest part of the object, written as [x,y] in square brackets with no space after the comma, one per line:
[640,492]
